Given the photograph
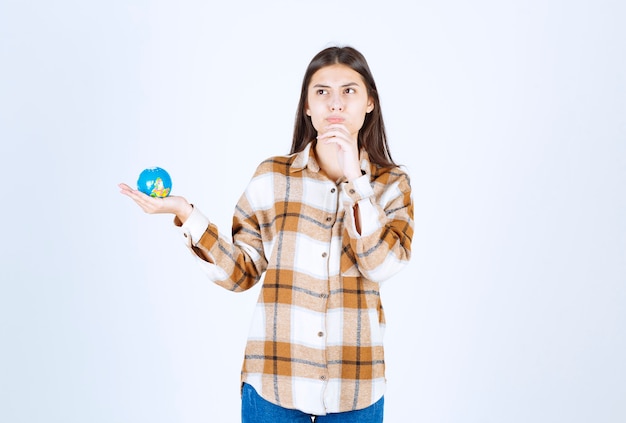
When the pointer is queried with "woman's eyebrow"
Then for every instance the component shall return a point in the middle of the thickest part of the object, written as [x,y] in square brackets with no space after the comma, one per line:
[349,84]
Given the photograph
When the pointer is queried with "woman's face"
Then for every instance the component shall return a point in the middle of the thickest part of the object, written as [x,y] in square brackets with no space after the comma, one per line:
[337,95]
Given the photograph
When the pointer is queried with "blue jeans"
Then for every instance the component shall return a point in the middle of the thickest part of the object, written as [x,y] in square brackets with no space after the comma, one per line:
[255,409]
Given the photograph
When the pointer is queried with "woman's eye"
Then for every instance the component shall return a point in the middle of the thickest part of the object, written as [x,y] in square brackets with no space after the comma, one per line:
[349,91]
[321,91]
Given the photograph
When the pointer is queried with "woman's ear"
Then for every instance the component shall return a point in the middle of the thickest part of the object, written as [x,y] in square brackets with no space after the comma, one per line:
[370,105]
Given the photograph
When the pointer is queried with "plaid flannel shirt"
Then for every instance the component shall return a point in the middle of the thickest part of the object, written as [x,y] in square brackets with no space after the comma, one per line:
[316,338]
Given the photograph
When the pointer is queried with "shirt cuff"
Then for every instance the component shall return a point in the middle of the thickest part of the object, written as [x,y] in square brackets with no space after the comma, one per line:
[359,188]
[194,227]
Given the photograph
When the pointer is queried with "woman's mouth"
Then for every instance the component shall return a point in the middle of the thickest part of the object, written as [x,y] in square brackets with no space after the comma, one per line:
[335,119]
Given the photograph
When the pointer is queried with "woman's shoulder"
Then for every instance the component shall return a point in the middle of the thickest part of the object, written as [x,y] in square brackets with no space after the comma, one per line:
[389,175]
[275,164]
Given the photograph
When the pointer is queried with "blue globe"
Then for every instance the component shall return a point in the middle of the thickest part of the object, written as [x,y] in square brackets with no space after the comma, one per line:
[155,182]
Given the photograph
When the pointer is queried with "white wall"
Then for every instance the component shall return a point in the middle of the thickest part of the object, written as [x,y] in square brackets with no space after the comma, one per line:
[511,117]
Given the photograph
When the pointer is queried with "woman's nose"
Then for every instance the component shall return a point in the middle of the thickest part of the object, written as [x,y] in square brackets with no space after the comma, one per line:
[336,103]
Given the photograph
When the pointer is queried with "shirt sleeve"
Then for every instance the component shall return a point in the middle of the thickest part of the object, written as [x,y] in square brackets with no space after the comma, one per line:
[382,246]
[235,263]
[192,231]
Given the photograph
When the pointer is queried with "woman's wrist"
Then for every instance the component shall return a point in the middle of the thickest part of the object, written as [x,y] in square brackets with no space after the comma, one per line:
[184,212]
[351,176]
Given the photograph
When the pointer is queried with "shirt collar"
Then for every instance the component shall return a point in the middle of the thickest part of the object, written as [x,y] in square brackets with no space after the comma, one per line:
[306,158]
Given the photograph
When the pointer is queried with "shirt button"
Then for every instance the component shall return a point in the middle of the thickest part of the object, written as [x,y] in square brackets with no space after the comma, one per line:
[320,334]
[323,295]
[333,190]
[328,219]
[352,191]
[323,377]
[324,254]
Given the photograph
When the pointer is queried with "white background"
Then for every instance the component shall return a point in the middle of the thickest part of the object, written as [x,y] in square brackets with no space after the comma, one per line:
[509,115]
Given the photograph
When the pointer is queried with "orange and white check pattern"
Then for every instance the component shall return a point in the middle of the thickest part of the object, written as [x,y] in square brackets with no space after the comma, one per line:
[316,338]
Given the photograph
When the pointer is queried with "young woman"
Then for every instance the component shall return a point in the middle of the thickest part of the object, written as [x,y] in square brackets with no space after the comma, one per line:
[326,225]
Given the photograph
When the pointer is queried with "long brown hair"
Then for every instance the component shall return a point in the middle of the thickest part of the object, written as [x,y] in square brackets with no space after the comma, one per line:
[372,136]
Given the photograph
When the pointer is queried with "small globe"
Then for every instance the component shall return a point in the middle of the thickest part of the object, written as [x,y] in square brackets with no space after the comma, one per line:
[155,182]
